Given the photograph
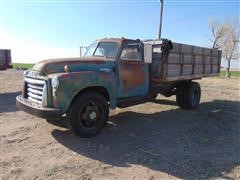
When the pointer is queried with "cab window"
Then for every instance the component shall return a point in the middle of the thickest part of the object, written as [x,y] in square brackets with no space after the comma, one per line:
[131,52]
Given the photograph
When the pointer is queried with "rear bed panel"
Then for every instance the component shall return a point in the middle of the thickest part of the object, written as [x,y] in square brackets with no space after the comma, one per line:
[185,62]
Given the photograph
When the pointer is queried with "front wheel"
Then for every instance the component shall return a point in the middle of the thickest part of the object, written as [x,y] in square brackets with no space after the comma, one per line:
[188,95]
[88,114]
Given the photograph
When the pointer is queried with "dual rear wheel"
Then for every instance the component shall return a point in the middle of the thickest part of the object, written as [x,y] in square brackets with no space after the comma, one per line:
[188,95]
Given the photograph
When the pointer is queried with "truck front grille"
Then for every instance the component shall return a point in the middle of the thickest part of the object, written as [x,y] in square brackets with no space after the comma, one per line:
[35,90]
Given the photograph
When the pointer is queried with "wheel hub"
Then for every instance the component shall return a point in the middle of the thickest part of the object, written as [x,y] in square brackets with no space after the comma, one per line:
[92,115]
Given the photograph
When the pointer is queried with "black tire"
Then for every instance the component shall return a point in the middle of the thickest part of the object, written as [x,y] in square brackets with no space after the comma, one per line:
[189,95]
[179,96]
[88,114]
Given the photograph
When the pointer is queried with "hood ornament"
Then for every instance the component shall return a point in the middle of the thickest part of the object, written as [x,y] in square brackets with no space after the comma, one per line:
[66,68]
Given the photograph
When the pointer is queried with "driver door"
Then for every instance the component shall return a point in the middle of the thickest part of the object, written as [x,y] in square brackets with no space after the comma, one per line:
[133,75]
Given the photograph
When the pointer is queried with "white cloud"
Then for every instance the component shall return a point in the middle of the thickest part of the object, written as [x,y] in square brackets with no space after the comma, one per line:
[27,51]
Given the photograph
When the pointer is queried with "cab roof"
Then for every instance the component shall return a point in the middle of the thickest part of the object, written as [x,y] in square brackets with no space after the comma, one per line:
[119,40]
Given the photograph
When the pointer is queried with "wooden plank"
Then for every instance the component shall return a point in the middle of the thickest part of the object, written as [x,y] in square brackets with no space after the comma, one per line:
[197,50]
[192,61]
[174,58]
[198,59]
[215,52]
[187,58]
[186,49]
[219,60]
[207,51]
[173,70]
[166,67]
[203,60]
[198,69]
[208,59]
[208,68]
[215,60]
[176,47]
[181,60]
[187,70]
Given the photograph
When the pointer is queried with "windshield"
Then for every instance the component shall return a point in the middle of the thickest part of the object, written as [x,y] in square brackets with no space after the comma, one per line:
[103,49]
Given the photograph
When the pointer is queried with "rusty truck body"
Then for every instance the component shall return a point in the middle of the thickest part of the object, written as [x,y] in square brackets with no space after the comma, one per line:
[115,72]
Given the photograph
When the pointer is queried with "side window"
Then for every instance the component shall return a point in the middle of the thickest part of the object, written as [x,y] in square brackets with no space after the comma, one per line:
[131,52]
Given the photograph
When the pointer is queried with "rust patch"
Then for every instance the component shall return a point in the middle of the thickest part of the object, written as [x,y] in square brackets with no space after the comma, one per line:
[131,74]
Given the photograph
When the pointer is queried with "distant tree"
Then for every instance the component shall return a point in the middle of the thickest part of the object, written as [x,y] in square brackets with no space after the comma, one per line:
[226,37]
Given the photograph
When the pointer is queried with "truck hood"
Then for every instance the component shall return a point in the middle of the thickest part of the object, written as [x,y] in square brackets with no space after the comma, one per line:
[51,66]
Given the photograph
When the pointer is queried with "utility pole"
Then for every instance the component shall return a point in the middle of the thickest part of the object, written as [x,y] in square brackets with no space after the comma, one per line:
[160,24]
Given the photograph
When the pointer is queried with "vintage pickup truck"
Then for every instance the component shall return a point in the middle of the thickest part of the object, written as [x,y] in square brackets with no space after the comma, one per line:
[115,72]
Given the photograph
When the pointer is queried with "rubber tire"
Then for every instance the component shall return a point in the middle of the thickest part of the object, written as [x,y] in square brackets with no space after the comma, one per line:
[184,96]
[73,114]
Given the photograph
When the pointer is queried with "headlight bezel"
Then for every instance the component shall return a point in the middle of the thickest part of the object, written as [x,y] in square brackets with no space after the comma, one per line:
[25,73]
[55,82]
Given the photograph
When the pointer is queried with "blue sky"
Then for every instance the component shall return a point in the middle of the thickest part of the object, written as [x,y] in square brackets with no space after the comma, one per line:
[46,29]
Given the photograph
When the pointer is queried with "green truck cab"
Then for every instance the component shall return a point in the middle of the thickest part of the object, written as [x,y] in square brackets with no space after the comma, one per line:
[115,72]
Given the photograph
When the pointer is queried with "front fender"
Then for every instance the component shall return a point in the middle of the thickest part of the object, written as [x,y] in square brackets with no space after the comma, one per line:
[70,84]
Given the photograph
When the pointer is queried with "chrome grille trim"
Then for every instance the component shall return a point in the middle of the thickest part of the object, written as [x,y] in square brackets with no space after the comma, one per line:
[34,81]
[34,96]
[36,91]
[35,86]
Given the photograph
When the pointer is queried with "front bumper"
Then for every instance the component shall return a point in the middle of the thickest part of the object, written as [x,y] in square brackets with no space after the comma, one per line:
[32,108]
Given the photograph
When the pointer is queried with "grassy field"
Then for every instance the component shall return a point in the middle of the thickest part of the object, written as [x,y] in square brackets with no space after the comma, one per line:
[22,65]
[233,73]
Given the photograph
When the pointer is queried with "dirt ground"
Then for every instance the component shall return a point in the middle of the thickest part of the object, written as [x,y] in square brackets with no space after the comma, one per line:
[156,140]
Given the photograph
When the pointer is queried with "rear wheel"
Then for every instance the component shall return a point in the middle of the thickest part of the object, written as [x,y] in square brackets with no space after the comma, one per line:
[88,114]
[188,95]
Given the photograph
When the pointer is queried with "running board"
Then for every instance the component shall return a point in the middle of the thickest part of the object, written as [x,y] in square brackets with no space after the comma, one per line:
[126,102]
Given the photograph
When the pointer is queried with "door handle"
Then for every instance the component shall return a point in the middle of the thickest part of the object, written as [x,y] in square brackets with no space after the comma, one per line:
[107,70]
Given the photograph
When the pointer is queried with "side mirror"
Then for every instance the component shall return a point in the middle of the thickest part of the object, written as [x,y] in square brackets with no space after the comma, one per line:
[148,53]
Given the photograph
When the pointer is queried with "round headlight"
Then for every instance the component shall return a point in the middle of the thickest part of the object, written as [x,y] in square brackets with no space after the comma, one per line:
[55,82]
